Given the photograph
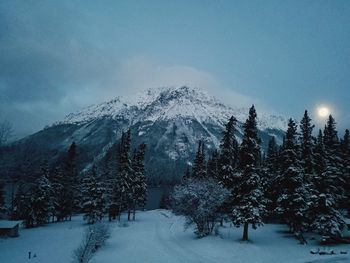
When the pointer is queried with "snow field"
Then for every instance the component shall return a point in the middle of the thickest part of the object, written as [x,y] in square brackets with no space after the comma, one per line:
[158,236]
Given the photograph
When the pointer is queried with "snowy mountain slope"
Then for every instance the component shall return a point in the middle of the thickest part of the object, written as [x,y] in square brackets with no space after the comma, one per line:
[170,121]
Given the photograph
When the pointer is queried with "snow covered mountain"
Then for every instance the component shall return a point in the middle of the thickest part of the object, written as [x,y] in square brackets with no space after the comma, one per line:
[170,121]
[170,104]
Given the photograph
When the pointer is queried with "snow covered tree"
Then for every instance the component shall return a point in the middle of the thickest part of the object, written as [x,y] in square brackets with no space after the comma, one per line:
[42,202]
[249,200]
[199,170]
[111,172]
[333,159]
[306,144]
[228,159]
[199,201]
[124,187]
[61,194]
[39,200]
[93,204]
[139,180]
[292,203]
[227,174]
[325,217]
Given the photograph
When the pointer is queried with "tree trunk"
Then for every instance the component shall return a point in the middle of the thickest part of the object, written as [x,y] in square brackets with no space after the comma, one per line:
[129,212]
[245,232]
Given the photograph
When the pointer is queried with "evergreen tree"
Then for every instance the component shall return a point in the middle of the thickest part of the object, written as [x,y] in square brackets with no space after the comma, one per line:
[125,180]
[93,197]
[325,217]
[249,204]
[330,134]
[113,197]
[139,181]
[61,194]
[292,203]
[40,203]
[199,167]
[306,144]
[333,159]
[228,155]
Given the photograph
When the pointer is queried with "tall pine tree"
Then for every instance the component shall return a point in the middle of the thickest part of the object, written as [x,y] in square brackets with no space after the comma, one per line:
[40,200]
[306,144]
[333,159]
[139,181]
[125,180]
[292,203]
[228,160]
[249,204]
[93,191]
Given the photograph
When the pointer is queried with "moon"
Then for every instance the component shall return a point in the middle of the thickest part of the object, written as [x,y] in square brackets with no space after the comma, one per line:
[323,112]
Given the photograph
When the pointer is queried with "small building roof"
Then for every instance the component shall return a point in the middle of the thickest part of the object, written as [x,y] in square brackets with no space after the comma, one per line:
[8,223]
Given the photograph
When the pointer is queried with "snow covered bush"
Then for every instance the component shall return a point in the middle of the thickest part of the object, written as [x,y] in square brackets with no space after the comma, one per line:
[199,201]
[95,237]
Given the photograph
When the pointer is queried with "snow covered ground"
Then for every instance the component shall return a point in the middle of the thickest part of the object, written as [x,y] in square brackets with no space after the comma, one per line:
[159,236]
[52,243]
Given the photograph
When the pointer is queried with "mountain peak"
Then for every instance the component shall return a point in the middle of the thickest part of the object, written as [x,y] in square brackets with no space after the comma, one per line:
[170,103]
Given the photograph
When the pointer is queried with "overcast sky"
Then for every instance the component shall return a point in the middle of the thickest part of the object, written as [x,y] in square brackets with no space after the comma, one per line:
[285,56]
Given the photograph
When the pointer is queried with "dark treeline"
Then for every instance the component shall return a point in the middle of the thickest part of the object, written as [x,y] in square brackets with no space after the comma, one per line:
[55,192]
[304,183]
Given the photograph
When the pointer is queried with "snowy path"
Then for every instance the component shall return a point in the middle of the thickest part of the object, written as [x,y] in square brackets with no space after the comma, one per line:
[158,236]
